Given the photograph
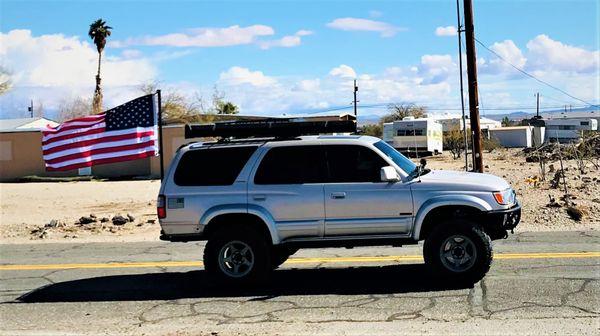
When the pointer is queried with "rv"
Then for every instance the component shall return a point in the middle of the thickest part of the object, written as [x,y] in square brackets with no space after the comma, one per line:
[414,137]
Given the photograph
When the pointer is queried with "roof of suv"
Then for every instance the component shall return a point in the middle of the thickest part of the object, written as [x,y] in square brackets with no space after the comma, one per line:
[303,140]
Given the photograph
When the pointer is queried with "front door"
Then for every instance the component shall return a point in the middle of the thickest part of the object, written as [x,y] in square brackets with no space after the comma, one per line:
[356,201]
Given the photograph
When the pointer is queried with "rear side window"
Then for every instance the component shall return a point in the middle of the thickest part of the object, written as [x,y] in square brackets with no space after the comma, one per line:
[351,163]
[212,166]
[292,165]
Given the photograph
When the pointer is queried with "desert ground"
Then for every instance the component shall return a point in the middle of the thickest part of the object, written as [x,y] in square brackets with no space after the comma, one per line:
[52,212]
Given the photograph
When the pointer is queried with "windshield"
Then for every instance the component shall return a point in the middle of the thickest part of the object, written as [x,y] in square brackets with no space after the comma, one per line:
[402,161]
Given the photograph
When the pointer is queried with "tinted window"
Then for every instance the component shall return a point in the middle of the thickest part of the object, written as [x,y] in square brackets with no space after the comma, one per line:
[349,163]
[212,166]
[291,165]
[402,161]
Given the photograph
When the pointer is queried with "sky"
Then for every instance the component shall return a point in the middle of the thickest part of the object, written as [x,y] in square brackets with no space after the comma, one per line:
[300,57]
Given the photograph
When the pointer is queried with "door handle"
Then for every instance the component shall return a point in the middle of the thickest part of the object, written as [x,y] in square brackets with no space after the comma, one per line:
[338,195]
[259,197]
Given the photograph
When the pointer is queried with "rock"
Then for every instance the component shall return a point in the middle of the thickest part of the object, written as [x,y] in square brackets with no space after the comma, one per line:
[87,220]
[586,179]
[486,166]
[596,200]
[151,221]
[119,220]
[140,224]
[39,232]
[92,216]
[52,224]
[104,219]
[130,218]
[575,213]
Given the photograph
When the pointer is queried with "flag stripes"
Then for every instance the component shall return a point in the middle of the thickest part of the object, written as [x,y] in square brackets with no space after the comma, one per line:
[127,132]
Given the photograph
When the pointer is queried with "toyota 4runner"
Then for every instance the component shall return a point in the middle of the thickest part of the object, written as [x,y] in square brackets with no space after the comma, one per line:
[256,202]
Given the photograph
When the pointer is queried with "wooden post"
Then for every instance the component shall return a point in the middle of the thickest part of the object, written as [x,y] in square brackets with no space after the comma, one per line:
[473,94]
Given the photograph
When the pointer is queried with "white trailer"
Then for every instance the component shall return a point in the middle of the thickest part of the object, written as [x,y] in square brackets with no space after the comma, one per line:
[414,136]
[568,130]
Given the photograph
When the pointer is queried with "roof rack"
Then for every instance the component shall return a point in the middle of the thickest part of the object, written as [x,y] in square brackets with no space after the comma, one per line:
[274,127]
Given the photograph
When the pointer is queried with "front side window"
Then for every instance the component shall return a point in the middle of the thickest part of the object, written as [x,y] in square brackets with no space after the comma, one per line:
[212,166]
[402,161]
[353,163]
[292,165]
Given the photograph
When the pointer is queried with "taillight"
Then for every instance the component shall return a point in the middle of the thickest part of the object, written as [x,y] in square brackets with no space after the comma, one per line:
[161,208]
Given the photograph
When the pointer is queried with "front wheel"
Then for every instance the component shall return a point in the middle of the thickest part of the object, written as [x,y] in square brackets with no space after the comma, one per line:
[459,251]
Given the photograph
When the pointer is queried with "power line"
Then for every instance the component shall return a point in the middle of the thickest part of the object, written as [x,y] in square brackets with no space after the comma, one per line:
[532,76]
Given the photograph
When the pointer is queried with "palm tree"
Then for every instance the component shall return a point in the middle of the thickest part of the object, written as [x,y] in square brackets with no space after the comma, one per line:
[99,31]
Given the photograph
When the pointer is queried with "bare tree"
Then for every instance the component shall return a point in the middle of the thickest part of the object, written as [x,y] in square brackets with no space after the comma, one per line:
[5,81]
[401,111]
[77,107]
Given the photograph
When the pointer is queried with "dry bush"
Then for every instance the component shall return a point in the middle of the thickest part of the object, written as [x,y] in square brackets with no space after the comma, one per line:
[454,142]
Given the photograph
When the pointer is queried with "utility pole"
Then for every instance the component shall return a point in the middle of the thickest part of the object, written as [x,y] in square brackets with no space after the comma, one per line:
[462,95]
[355,91]
[30,109]
[537,108]
[473,94]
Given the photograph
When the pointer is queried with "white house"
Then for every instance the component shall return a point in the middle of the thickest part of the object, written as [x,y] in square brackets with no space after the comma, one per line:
[513,137]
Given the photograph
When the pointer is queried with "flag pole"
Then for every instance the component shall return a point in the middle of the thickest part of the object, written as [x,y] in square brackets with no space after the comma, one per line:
[160,137]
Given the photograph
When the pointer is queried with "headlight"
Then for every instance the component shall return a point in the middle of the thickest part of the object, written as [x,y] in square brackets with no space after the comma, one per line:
[506,197]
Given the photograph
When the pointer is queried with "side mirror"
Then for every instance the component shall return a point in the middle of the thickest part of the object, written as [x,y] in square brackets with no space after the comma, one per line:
[389,174]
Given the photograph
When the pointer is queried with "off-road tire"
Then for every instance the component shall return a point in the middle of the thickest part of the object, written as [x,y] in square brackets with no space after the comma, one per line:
[482,244]
[258,244]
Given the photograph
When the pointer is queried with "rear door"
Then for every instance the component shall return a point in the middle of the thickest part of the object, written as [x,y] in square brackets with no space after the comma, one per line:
[204,178]
[288,184]
[356,201]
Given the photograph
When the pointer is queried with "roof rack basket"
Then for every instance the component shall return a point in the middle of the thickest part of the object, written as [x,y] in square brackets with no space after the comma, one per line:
[274,127]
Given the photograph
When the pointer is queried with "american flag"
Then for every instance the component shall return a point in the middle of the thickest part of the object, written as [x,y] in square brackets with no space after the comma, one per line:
[126,132]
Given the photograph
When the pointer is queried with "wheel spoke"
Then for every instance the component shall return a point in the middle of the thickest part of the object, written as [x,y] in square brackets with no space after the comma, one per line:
[244,250]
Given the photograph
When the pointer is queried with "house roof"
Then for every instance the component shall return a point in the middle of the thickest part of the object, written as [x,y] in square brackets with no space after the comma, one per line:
[24,124]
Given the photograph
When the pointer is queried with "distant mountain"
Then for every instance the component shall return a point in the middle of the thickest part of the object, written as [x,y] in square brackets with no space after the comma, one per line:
[519,115]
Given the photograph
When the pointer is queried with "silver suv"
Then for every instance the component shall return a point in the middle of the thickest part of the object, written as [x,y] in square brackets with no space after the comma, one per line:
[257,202]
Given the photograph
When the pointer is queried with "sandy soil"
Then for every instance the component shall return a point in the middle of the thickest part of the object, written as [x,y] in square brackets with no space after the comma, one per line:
[27,207]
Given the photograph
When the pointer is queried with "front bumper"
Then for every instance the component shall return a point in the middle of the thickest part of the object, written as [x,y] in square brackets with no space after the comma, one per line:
[498,222]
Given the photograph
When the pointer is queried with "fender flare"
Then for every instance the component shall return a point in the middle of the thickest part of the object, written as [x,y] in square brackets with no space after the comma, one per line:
[446,200]
[245,209]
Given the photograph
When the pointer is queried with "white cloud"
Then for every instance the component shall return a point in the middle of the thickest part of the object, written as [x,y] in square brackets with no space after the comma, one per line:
[343,71]
[308,85]
[286,41]
[446,31]
[55,67]
[508,51]
[436,68]
[239,76]
[202,37]
[58,60]
[357,24]
[548,54]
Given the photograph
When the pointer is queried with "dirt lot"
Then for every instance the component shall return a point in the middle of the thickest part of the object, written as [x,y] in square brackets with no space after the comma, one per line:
[28,209]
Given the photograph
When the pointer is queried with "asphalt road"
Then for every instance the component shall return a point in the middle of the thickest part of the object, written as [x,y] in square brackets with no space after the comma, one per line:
[540,283]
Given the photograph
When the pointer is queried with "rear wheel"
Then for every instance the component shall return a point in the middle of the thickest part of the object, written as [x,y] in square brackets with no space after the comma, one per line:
[460,251]
[237,255]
